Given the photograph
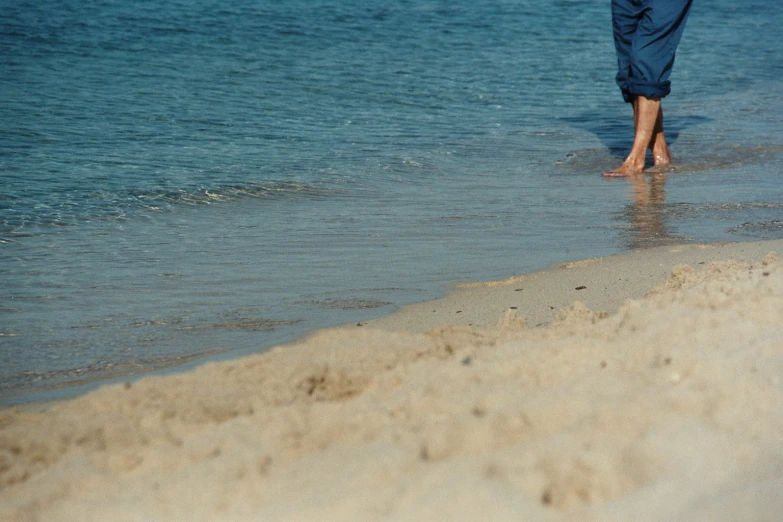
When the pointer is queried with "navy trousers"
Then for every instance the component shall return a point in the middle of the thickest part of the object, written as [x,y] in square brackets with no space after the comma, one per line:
[646,36]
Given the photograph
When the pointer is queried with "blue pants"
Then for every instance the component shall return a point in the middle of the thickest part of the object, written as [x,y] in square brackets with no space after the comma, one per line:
[646,36]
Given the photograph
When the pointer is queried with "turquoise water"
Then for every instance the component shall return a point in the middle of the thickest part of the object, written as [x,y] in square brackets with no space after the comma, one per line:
[189,181]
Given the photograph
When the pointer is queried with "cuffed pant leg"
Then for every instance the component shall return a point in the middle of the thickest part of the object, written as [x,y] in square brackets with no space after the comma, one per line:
[625,21]
[647,33]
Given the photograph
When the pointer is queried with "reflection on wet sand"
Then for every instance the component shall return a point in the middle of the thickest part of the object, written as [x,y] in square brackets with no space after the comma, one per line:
[646,213]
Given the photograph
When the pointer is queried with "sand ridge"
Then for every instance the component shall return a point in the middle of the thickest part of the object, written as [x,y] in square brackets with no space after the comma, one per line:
[667,408]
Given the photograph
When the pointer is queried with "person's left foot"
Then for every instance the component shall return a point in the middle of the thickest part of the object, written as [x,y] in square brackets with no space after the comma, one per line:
[661,155]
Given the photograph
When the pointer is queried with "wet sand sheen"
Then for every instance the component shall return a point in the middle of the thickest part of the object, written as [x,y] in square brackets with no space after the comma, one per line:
[664,406]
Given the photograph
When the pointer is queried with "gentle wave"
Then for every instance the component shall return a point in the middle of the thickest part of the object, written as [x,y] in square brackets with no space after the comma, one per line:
[116,206]
[278,190]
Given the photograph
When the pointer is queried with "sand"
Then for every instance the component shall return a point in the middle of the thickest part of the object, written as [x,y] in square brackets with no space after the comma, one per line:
[644,387]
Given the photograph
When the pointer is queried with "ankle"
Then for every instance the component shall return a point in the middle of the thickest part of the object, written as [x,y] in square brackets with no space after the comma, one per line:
[661,155]
[635,162]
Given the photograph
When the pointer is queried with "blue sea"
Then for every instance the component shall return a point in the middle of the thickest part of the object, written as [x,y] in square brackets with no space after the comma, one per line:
[186,181]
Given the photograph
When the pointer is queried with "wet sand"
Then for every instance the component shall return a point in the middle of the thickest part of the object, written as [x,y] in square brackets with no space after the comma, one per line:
[647,386]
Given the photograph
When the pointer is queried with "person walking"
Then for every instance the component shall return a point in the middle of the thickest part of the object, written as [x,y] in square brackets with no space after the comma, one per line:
[646,36]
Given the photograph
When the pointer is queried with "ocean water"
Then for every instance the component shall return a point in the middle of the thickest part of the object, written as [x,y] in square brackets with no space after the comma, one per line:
[190,181]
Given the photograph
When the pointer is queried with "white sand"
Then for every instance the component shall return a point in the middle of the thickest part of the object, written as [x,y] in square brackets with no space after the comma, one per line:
[670,408]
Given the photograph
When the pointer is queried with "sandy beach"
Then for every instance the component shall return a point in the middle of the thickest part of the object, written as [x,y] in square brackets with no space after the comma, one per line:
[644,387]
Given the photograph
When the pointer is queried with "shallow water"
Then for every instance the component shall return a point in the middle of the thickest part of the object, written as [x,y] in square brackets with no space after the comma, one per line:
[189,181]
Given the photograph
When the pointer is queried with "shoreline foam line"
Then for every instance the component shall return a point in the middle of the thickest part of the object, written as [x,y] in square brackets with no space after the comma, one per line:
[664,406]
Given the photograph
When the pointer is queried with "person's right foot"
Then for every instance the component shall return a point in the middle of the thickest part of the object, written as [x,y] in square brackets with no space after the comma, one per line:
[626,169]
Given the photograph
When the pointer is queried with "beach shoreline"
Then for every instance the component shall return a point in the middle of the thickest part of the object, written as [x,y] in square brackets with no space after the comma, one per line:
[601,283]
[534,297]
[642,386]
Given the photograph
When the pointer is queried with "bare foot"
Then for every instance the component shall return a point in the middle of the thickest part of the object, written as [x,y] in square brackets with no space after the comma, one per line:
[625,170]
[662,159]
[648,134]
[661,168]
[661,156]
